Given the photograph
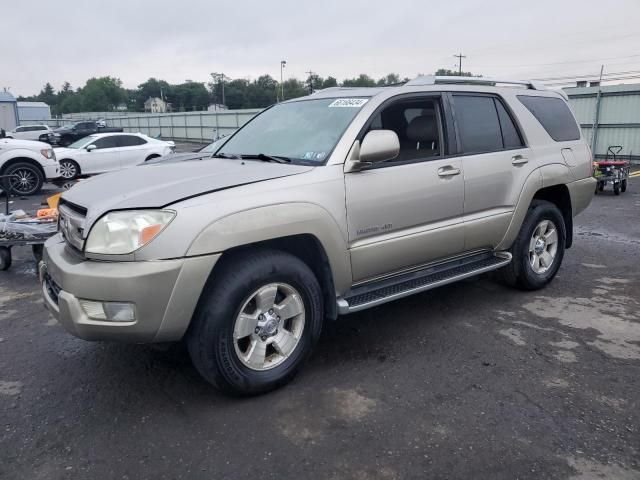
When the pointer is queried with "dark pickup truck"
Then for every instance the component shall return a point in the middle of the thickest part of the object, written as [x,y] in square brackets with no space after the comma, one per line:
[68,134]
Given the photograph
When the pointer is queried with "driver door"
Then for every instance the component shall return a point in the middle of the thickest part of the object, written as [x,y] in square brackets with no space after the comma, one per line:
[105,157]
[408,211]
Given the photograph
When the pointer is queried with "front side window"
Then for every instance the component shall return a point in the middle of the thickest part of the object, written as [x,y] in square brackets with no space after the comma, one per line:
[106,142]
[554,115]
[417,122]
[306,130]
[83,142]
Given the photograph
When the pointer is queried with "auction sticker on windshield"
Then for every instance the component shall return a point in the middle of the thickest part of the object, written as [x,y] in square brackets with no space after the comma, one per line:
[349,102]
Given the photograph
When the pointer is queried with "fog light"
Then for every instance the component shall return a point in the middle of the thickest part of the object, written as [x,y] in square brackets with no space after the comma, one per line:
[109,311]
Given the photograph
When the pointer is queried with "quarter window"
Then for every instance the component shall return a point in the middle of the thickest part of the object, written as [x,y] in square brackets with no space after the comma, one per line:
[554,115]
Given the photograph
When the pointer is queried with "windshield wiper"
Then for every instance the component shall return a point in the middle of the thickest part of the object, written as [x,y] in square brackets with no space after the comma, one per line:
[227,155]
[267,158]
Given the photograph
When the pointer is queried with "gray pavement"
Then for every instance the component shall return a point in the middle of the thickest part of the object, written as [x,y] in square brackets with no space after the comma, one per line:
[469,381]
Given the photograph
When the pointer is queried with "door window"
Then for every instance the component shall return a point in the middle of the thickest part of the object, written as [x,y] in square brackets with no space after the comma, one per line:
[130,140]
[417,122]
[106,142]
[478,124]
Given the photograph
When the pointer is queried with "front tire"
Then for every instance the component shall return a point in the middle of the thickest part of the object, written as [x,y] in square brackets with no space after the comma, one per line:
[26,179]
[258,320]
[623,185]
[538,249]
[69,169]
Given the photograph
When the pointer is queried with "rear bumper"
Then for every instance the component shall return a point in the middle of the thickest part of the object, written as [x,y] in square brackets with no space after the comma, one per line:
[581,193]
[164,293]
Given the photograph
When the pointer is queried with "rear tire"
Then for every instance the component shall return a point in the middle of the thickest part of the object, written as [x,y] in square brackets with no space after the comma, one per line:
[616,189]
[537,254]
[5,258]
[623,186]
[226,330]
[27,178]
[151,157]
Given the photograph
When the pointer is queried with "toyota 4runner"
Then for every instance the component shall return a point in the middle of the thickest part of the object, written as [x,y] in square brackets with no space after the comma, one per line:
[320,206]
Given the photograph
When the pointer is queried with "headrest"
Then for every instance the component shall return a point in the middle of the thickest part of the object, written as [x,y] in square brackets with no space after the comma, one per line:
[423,129]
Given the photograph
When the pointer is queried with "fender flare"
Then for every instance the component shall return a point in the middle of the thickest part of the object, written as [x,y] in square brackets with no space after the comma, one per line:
[277,221]
[542,177]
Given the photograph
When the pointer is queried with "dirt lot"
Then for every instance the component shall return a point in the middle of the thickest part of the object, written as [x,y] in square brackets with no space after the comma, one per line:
[472,380]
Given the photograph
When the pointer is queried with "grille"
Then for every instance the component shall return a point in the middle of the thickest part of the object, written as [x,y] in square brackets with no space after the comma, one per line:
[71,224]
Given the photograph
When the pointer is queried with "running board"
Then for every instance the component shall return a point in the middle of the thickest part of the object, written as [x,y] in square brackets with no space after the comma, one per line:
[383,291]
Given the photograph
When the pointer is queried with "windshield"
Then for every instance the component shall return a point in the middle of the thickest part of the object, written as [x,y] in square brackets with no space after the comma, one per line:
[212,147]
[83,142]
[305,130]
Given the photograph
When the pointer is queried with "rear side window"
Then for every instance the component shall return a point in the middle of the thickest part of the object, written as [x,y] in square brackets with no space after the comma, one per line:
[130,140]
[478,123]
[554,115]
[106,142]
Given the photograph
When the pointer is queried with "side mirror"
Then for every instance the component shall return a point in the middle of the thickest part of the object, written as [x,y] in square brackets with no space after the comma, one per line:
[379,145]
[91,148]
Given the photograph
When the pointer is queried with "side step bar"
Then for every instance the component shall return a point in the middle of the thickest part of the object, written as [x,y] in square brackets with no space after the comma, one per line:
[383,291]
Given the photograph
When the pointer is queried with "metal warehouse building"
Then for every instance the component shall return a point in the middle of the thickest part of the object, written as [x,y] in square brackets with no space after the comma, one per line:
[8,111]
[30,112]
[615,113]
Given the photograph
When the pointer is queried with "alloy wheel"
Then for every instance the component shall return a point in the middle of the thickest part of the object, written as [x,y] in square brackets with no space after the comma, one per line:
[68,170]
[269,326]
[24,181]
[543,246]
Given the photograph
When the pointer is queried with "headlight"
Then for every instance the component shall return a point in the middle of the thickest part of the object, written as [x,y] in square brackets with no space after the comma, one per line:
[48,153]
[118,233]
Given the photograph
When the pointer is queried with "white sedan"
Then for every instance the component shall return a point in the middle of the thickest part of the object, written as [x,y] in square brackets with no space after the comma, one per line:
[106,152]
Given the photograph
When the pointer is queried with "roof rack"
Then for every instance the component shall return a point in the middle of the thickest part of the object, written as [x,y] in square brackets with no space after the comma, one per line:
[489,82]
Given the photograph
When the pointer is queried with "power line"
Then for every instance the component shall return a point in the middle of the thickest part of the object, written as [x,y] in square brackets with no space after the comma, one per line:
[629,72]
[558,63]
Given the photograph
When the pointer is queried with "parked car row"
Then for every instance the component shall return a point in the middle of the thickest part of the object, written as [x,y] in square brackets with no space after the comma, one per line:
[27,164]
[66,135]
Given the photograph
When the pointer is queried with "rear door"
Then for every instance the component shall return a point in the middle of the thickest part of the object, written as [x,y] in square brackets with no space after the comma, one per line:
[496,163]
[408,211]
[133,150]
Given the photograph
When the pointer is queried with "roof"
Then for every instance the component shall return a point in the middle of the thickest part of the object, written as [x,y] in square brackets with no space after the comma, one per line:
[33,104]
[6,97]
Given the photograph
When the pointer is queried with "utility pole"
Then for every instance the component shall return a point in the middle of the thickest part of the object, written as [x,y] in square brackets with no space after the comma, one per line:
[311,74]
[283,63]
[460,57]
[594,127]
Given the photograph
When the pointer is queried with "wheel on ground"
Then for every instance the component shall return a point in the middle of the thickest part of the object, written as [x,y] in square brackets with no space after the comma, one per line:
[5,258]
[616,188]
[151,157]
[26,179]
[601,186]
[69,169]
[257,321]
[538,249]
[623,185]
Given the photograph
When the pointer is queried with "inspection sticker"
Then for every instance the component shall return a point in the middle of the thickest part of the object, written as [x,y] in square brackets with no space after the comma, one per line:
[349,102]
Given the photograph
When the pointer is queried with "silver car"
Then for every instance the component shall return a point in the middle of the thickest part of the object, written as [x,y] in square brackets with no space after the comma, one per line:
[318,207]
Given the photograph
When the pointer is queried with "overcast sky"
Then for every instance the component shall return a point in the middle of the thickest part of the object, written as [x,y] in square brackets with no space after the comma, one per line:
[73,40]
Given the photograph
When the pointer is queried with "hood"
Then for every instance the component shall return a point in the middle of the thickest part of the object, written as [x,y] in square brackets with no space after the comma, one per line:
[161,183]
[28,144]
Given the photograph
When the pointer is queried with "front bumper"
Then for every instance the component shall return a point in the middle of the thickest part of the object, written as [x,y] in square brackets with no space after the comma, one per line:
[164,292]
[51,171]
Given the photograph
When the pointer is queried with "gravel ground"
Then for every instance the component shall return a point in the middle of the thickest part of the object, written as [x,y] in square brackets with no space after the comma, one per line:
[471,380]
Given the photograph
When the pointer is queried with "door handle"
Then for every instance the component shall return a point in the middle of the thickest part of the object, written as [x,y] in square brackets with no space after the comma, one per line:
[519,160]
[448,171]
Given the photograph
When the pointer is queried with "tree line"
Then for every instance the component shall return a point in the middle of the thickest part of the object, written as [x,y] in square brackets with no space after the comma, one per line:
[106,94]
